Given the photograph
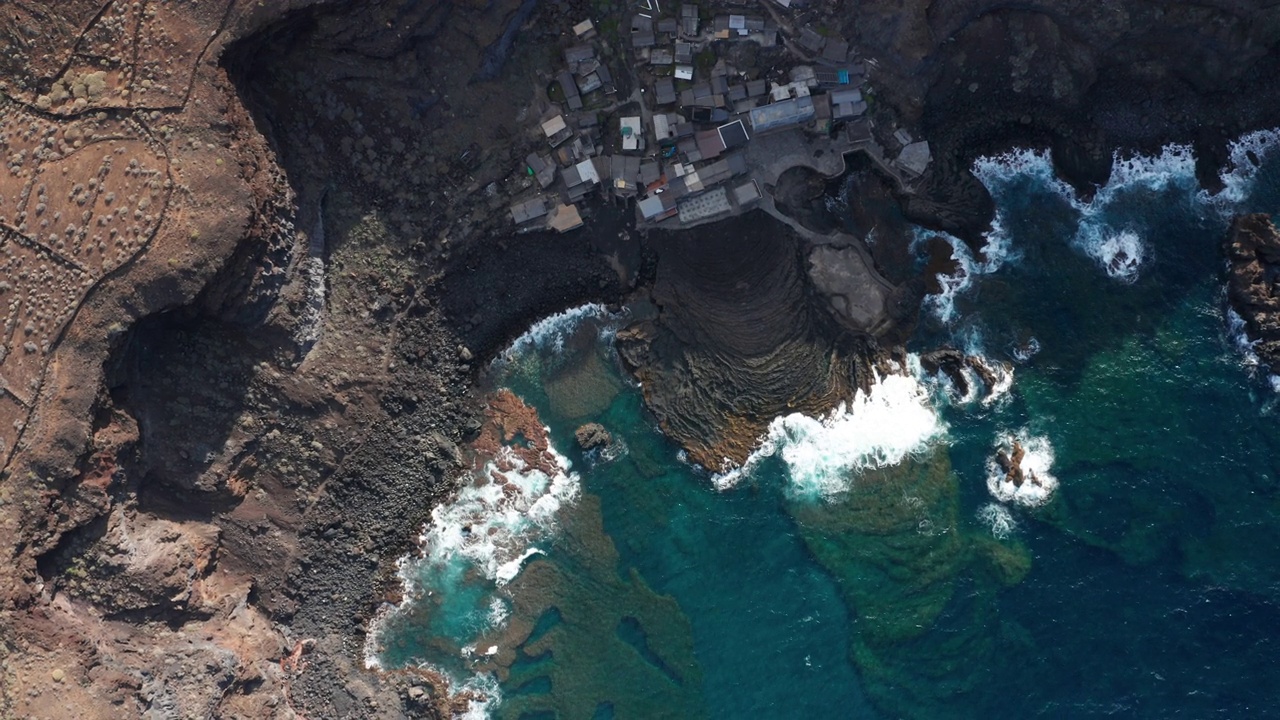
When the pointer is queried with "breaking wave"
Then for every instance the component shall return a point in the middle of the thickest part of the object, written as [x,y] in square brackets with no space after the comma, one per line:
[997,251]
[549,334]
[497,517]
[1037,462]
[1246,155]
[1118,245]
[880,428]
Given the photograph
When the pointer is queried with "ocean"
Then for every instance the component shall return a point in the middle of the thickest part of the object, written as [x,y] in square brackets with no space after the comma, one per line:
[873,563]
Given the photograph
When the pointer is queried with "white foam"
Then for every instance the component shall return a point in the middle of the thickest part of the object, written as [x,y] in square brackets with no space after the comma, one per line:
[550,332]
[1121,254]
[876,429]
[499,611]
[1036,462]
[1023,353]
[998,518]
[1241,171]
[1119,251]
[485,686]
[997,251]
[497,515]
[371,659]
[1004,382]
[1239,338]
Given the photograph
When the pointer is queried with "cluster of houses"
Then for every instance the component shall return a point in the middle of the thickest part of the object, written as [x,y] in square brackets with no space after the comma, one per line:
[682,155]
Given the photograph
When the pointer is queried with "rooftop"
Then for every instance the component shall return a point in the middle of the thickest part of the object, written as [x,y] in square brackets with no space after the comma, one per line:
[564,218]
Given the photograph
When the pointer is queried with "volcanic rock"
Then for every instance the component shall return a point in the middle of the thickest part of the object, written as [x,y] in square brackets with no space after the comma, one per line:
[739,340]
[592,435]
[1012,464]
[1253,270]
[952,363]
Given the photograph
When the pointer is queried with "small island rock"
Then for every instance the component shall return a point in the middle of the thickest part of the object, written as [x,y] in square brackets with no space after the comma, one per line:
[593,435]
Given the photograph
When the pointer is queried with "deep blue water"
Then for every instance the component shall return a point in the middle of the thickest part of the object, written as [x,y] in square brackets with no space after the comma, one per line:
[1146,586]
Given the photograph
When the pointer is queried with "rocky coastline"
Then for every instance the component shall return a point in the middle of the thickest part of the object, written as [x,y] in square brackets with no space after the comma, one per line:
[1253,264]
[209,484]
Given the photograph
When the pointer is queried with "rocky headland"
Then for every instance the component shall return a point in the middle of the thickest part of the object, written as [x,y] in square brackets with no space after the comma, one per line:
[256,253]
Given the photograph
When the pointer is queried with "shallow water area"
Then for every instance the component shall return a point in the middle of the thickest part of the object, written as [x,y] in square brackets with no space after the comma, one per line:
[876,563]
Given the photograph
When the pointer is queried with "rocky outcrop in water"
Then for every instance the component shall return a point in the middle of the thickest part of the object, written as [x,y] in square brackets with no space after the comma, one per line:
[953,363]
[1253,271]
[1011,465]
[592,435]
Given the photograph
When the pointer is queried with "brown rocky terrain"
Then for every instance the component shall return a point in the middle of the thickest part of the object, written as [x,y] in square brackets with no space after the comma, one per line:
[253,255]
[1253,268]
[227,405]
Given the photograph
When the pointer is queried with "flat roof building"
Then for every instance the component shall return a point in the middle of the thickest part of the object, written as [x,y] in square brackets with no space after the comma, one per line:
[664,90]
[733,135]
[709,144]
[579,53]
[570,88]
[631,130]
[564,218]
[664,127]
[689,20]
[589,83]
[624,175]
[914,158]
[531,209]
[747,194]
[707,205]
[542,169]
[556,130]
[847,103]
[787,113]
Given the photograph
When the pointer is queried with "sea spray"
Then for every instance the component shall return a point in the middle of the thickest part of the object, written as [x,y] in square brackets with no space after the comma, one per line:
[1238,338]
[997,251]
[1038,484]
[879,428]
[998,519]
[494,520]
[1245,157]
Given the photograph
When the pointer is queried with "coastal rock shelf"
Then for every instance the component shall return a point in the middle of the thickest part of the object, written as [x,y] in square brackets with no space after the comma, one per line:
[737,342]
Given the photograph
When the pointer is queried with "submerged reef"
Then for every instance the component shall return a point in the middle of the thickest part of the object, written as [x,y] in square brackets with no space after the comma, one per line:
[919,584]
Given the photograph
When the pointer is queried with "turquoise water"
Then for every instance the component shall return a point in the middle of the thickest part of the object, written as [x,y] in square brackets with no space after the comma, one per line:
[1146,586]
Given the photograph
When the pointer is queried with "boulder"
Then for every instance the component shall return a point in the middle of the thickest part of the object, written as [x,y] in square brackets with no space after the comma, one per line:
[593,435]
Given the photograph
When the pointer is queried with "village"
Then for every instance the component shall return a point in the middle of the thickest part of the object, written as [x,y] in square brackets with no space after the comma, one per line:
[669,107]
